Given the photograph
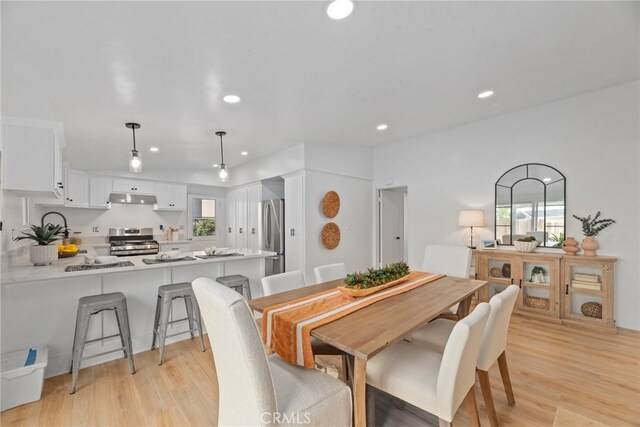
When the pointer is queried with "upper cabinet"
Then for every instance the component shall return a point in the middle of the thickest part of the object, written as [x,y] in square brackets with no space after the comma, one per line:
[32,160]
[100,188]
[76,189]
[170,197]
[133,186]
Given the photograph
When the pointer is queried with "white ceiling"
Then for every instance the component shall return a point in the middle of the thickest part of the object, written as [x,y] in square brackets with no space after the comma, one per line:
[302,76]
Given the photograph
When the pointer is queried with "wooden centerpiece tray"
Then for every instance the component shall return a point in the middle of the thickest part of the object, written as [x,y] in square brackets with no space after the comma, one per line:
[368,291]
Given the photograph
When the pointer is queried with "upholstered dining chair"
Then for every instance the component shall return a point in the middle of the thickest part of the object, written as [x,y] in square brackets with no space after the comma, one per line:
[256,389]
[294,280]
[451,260]
[282,282]
[494,343]
[434,381]
[326,273]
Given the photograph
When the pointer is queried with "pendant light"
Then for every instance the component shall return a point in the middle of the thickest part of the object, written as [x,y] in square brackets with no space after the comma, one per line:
[223,174]
[135,163]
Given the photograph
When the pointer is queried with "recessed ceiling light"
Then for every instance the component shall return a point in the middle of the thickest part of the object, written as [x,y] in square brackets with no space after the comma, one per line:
[485,94]
[215,165]
[141,201]
[339,9]
[122,200]
[382,126]
[244,153]
[154,149]
[546,179]
[231,99]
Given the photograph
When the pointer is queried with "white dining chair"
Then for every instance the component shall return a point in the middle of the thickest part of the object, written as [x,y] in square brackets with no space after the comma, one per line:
[451,260]
[259,390]
[434,381]
[294,280]
[329,272]
[494,342]
[282,282]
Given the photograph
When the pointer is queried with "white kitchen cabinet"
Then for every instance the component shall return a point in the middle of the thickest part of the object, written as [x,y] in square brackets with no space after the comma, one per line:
[243,217]
[31,159]
[76,189]
[230,234]
[254,196]
[132,186]
[100,188]
[170,197]
[294,222]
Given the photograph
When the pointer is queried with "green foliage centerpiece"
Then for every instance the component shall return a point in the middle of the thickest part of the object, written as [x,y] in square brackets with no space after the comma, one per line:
[372,280]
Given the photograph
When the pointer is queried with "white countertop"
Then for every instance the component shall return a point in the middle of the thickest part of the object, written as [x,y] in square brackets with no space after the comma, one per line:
[30,273]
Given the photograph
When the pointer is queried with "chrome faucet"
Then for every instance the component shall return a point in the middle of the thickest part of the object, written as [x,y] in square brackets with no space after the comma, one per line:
[66,229]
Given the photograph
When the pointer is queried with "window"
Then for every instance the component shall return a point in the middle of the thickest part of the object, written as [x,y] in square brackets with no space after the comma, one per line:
[202,216]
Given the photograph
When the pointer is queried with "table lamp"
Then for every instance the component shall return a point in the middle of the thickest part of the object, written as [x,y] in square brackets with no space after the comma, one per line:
[471,219]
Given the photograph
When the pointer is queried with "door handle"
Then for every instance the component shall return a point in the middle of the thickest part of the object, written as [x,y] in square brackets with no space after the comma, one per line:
[566,289]
[293,232]
[397,237]
[240,231]
[229,229]
[253,231]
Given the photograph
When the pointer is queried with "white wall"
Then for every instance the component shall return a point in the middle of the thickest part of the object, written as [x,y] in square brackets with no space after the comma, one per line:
[593,139]
[354,220]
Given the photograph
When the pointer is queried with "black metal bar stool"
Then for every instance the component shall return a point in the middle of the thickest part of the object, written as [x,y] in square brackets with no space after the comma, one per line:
[235,282]
[89,306]
[166,295]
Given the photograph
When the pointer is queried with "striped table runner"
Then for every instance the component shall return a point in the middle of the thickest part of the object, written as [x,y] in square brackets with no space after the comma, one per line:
[286,328]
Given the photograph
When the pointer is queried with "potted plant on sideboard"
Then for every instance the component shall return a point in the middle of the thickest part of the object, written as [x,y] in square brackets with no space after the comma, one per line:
[43,252]
[590,228]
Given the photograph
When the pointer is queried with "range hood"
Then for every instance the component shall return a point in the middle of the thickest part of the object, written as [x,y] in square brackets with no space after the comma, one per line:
[133,199]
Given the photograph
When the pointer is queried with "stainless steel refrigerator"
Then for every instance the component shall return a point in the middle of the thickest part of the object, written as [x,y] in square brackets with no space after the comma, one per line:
[273,234]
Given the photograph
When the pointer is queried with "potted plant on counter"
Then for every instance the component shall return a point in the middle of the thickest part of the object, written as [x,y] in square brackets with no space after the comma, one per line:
[590,228]
[43,252]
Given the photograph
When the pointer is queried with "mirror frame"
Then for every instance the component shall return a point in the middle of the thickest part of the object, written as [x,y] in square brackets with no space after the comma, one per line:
[526,165]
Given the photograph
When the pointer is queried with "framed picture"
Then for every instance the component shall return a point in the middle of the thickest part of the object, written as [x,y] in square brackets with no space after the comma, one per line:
[489,244]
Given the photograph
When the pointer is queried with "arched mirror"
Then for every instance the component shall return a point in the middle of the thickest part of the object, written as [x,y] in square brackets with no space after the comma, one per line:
[530,201]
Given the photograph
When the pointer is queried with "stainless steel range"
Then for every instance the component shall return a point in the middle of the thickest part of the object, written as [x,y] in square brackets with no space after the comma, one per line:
[132,241]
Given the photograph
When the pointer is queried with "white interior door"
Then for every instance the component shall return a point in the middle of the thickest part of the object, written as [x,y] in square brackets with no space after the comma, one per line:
[391,232]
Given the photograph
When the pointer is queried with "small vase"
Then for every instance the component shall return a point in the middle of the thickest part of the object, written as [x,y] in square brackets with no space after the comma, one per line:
[43,255]
[589,246]
[570,246]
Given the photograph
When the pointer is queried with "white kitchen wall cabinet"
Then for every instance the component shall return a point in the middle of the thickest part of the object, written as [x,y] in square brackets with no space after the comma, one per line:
[230,231]
[32,160]
[132,186]
[294,223]
[243,217]
[76,189]
[170,197]
[100,188]
[254,196]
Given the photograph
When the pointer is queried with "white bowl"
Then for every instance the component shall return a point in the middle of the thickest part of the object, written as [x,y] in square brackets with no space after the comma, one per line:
[106,259]
[174,254]
[526,246]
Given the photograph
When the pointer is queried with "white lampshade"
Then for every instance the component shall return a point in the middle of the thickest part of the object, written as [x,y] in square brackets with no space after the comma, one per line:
[471,219]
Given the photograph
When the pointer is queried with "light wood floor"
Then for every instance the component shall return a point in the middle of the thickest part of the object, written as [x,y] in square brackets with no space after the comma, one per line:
[552,366]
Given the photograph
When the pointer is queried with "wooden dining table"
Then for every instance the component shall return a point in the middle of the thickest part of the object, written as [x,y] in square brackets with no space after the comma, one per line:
[368,331]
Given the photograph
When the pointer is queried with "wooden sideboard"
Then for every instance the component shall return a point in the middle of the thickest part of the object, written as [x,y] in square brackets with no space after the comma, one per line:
[553,286]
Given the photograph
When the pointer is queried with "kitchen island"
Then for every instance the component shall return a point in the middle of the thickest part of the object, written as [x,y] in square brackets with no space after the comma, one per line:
[39,303]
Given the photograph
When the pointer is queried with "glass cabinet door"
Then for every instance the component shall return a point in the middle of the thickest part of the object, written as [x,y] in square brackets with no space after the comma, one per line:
[537,283]
[583,292]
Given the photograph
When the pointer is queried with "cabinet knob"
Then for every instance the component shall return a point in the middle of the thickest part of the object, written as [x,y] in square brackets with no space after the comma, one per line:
[229,229]
[253,231]
[293,232]
[240,230]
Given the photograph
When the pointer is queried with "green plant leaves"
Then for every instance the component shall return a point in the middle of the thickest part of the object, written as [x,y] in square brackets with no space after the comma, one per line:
[42,235]
[373,277]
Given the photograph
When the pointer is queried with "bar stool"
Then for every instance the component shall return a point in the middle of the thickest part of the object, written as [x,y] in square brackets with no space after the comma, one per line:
[166,295]
[236,281]
[89,306]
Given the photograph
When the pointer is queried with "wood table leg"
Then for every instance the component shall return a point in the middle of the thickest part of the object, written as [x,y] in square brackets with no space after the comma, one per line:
[506,380]
[464,307]
[360,393]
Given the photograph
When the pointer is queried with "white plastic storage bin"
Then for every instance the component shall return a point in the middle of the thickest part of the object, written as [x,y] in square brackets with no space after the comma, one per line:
[22,376]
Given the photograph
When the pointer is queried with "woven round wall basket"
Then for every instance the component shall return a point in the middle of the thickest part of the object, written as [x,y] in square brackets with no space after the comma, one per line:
[330,235]
[331,204]
[592,309]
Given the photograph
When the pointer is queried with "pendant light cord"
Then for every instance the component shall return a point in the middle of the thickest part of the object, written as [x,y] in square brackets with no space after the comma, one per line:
[133,128]
[221,151]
